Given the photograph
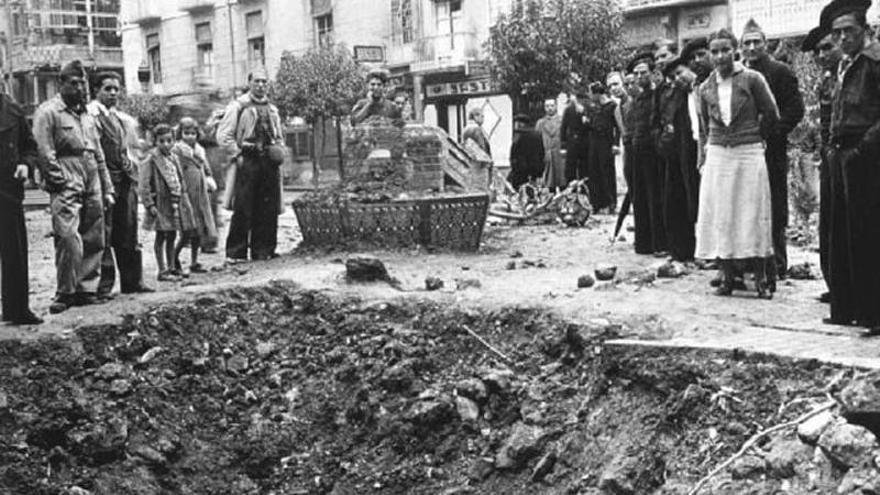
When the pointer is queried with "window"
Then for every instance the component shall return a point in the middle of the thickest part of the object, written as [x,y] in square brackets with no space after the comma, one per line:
[155,57]
[253,23]
[449,19]
[324,29]
[204,48]
[403,16]
[257,52]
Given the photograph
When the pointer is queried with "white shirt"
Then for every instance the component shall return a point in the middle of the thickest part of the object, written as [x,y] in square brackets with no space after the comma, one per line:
[693,113]
[725,94]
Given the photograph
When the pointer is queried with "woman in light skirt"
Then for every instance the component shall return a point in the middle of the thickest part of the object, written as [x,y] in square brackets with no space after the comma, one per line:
[734,220]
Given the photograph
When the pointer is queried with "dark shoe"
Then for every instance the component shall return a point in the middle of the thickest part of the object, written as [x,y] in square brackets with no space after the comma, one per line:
[264,257]
[61,304]
[85,299]
[825,297]
[168,276]
[177,272]
[209,250]
[724,290]
[836,321]
[872,331]
[28,318]
[716,282]
[763,290]
[198,268]
[139,289]
[103,297]
[235,261]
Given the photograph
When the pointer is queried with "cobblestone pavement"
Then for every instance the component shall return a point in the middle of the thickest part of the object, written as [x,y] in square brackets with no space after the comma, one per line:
[667,312]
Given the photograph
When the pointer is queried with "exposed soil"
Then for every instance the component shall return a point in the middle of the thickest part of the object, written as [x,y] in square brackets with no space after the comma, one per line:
[278,390]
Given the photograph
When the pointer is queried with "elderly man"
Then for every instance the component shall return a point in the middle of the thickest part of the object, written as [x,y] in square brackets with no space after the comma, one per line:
[549,127]
[19,155]
[251,131]
[120,221]
[79,184]
[854,240]
[375,103]
[784,86]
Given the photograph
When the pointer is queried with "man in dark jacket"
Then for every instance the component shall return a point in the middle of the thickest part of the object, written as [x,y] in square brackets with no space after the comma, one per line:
[526,152]
[826,54]
[19,155]
[854,240]
[574,133]
[784,86]
[120,221]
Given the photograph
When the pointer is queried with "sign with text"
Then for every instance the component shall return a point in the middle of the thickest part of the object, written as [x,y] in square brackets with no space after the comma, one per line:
[467,88]
[368,53]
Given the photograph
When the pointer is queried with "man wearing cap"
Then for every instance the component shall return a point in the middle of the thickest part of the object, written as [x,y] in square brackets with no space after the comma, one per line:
[79,185]
[251,131]
[375,103]
[647,201]
[120,221]
[19,155]
[826,54]
[784,86]
[696,55]
[854,218]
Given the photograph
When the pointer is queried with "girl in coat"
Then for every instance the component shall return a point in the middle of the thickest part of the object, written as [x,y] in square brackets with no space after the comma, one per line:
[161,193]
[197,185]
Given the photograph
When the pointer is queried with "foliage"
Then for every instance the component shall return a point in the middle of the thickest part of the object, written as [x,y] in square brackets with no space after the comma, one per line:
[323,82]
[149,109]
[537,46]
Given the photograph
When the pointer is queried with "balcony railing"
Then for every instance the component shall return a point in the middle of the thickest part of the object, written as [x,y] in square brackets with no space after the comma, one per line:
[22,58]
[440,51]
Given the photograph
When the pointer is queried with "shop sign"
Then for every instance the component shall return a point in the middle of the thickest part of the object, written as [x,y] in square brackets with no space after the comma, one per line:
[474,87]
[364,53]
[701,21]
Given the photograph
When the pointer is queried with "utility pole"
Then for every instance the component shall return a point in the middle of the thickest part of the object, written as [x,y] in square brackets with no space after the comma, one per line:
[91,32]
[229,4]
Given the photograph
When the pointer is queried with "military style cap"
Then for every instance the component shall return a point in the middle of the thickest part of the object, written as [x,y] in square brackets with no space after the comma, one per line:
[259,73]
[838,8]
[752,27]
[701,43]
[670,67]
[641,58]
[380,74]
[73,69]
[814,37]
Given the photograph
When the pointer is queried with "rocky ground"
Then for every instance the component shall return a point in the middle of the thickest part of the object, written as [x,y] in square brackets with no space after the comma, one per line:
[512,370]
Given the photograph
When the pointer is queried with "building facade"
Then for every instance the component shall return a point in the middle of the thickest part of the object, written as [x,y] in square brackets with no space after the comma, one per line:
[40,35]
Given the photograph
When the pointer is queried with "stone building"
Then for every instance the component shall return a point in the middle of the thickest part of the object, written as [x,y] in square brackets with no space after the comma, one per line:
[38,36]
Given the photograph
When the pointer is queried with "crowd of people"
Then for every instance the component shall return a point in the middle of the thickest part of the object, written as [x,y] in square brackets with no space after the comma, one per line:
[703,134]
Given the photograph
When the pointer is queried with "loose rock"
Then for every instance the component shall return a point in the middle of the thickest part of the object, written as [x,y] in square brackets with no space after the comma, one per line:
[606,273]
[481,468]
[784,455]
[468,283]
[586,281]
[848,445]
[511,265]
[860,481]
[860,402]
[473,389]
[747,466]
[468,410]
[365,270]
[522,444]
[433,283]
[672,269]
[810,430]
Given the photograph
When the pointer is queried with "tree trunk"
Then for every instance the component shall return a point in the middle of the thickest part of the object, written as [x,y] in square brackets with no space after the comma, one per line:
[316,154]
[339,148]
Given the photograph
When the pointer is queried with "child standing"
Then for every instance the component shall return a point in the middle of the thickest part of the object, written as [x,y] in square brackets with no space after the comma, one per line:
[161,193]
[198,184]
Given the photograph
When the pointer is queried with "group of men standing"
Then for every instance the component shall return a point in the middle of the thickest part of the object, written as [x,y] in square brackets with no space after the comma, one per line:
[88,156]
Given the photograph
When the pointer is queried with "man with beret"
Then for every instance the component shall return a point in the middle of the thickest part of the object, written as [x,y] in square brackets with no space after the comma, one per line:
[251,131]
[19,155]
[643,161]
[375,103]
[120,221]
[79,185]
[826,55]
[575,132]
[696,55]
[784,86]
[854,218]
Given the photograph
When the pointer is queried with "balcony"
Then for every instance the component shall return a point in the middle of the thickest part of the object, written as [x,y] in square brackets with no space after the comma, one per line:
[23,59]
[144,12]
[196,6]
[448,51]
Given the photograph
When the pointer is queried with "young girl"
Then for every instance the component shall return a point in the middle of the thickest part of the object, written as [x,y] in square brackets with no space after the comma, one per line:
[198,185]
[161,193]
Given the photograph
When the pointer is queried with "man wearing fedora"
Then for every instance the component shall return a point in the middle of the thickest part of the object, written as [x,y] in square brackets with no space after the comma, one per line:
[251,131]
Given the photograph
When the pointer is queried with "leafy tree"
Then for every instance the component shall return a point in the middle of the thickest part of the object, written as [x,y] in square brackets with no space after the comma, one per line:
[148,109]
[535,48]
[323,83]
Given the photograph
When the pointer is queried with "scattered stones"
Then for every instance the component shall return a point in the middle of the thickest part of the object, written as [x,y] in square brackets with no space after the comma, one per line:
[605,274]
[111,371]
[99,443]
[802,271]
[237,364]
[468,410]
[586,281]
[265,349]
[498,381]
[860,480]
[848,445]
[430,413]
[199,364]
[365,270]
[543,467]
[511,265]
[616,477]
[473,389]
[860,402]
[747,466]
[522,444]
[149,355]
[467,283]
[810,430]
[433,283]
[149,454]
[75,490]
[481,468]
[120,387]
[672,269]
[784,455]
[516,254]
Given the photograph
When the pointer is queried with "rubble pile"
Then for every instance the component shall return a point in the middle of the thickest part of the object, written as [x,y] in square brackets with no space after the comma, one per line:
[274,390]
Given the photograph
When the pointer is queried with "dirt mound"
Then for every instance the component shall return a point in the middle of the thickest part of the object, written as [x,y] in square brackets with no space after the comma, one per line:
[279,391]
